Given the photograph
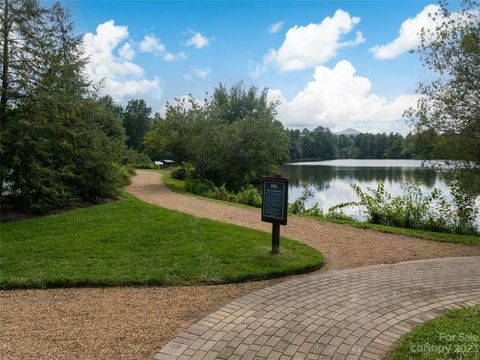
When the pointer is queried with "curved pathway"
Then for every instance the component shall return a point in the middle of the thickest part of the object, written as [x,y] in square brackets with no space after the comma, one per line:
[349,314]
[343,246]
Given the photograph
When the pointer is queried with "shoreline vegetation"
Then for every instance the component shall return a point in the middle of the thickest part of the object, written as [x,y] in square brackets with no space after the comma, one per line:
[103,245]
[179,185]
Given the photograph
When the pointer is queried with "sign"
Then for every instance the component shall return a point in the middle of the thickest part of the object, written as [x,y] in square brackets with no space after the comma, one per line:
[275,206]
[275,200]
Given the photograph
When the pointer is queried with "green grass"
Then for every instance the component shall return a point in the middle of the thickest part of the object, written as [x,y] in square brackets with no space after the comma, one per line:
[129,242]
[179,186]
[455,335]
[470,240]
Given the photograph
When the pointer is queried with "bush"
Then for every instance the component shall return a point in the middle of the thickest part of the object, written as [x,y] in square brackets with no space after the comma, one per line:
[249,196]
[221,193]
[414,210]
[182,171]
[198,186]
[137,160]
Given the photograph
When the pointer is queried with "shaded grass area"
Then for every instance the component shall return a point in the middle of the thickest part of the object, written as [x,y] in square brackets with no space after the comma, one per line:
[455,335]
[129,242]
[179,186]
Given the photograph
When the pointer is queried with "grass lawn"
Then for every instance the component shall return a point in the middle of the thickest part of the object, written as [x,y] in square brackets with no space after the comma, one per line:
[179,186]
[129,242]
[455,335]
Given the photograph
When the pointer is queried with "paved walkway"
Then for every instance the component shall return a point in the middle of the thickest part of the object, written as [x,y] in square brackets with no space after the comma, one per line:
[349,314]
[344,247]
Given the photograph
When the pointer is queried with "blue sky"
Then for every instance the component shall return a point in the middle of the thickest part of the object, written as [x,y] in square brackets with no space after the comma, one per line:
[332,63]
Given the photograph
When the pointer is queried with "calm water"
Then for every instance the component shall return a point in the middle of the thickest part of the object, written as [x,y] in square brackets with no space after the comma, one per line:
[330,180]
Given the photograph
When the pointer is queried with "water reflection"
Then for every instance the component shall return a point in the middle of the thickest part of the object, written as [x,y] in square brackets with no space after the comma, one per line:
[320,177]
[331,180]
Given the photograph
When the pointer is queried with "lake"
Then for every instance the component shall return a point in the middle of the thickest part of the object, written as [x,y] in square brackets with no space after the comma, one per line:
[330,180]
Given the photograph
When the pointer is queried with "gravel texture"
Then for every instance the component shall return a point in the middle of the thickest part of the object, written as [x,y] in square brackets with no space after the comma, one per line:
[134,323]
[104,323]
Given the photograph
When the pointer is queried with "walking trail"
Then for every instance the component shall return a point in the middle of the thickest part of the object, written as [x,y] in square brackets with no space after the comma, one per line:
[344,246]
[359,312]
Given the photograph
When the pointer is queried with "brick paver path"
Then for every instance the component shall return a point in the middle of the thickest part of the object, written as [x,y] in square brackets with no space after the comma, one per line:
[347,314]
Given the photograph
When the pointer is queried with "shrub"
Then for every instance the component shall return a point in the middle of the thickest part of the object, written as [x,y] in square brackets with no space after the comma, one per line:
[198,186]
[414,210]
[249,196]
[221,193]
[137,160]
[299,205]
[182,171]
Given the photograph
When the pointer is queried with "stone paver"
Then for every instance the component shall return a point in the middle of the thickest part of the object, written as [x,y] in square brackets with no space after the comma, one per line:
[349,314]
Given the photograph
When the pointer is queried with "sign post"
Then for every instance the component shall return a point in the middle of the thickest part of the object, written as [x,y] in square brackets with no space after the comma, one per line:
[275,206]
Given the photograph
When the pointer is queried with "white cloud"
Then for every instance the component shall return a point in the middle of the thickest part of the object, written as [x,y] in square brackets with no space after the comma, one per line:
[126,51]
[339,98]
[408,35]
[198,40]
[133,88]
[314,44]
[262,67]
[174,57]
[151,44]
[202,73]
[121,78]
[99,47]
[275,28]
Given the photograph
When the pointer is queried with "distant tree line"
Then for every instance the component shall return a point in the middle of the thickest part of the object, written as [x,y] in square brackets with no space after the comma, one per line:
[321,144]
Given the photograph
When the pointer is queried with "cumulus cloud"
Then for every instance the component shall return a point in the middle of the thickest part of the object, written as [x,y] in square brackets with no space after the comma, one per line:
[151,44]
[311,45]
[338,97]
[314,44]
[133,88]
[121,78]
[99,48]
[409,33]
[174,57]
[275,28]
[198,40]
[126,51]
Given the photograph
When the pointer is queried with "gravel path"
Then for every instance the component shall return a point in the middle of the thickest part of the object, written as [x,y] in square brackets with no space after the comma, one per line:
[104,323]
[343,246]
[346,314]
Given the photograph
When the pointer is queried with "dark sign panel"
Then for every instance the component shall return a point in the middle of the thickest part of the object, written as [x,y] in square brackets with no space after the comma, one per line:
[275,200]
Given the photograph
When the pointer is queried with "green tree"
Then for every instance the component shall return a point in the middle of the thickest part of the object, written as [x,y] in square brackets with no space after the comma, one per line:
[449,107]
[137,122]
[60,144]
[232,138]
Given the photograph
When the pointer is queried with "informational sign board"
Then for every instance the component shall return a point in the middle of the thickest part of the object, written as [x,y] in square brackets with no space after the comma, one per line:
[275,200]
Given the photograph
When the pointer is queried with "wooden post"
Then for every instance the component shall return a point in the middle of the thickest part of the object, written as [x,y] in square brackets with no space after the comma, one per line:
[275,238]
[275,206]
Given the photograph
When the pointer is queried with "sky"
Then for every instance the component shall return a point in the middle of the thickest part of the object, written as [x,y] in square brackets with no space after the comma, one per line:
[340,64]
